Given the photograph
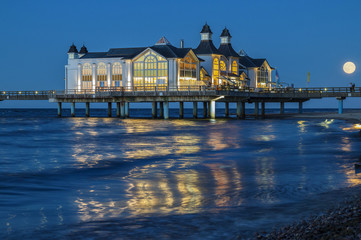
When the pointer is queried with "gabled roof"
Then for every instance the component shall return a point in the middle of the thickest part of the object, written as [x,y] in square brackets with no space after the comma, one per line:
[227,50]
[206,47]
[162,41]
[166,50]
[249,62]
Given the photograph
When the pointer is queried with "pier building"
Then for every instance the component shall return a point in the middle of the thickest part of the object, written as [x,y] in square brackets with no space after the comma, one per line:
[164,66]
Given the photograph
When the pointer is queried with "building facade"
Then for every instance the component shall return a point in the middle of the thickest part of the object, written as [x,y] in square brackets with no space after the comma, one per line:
[164,66]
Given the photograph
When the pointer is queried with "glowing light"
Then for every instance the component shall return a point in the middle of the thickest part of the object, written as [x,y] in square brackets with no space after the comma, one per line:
[325,89]
[349,67]
[19,92]
[357,126]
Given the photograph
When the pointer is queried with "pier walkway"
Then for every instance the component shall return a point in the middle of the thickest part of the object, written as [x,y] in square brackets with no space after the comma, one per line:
[123,96]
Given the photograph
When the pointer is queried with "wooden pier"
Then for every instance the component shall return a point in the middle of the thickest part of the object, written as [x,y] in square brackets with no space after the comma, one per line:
[160,98]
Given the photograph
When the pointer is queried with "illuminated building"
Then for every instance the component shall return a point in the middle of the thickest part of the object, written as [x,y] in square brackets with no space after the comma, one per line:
[166,67]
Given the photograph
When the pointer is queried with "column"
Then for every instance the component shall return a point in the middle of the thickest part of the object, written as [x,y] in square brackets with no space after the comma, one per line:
[282,107]
[154,110]
[226,109]
[243,111]
[94,75]
[213,109]
[126,109]
[109,75]
[195,110]
[87,109]
[122,109]
[166,110]
[300,110]
[181,109]
[72,109]
[256,109]
[118,109]
[340,106]
[161,110]
[238,110]
[205,112]
[263,110]
[109,109]
[209,109]
[59,109]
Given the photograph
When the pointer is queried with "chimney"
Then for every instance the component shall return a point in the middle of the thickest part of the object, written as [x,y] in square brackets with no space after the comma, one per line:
[182,43]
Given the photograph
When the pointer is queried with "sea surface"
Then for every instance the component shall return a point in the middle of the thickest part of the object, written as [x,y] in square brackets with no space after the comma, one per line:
[141,178]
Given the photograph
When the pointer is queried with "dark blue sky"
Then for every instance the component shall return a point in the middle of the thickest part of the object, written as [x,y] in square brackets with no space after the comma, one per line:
[295,36]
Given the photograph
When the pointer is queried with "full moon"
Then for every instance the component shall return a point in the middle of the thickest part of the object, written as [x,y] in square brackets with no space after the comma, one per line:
[349,67]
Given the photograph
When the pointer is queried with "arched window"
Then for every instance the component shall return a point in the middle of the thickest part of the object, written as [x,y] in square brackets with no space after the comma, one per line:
[234,67]
[215,71]
[223,66]
[101,75]
[117,76]
[150,71]
[86,76]
[262,77]
[188,72]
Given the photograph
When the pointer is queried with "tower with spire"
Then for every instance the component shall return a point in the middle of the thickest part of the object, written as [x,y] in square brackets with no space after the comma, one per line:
[73,52]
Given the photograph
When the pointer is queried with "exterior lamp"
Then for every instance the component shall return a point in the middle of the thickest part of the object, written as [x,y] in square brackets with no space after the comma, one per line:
[20,92]
[325,89]
[36,92]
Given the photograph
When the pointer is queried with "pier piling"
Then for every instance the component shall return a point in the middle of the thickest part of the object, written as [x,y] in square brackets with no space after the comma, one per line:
[154,110]
[118,109]
[59,109]
[205,111]
[256,109]
[109,109]
[161,110]
[72,109]
[166,110]
[126,110]
[212,109]
[340,104]
[195,110]
[87,109]
[181,110]
[263,109]
[300,109]
[226,108]
[238,110]
[282,107]
[243,113]
[122,109]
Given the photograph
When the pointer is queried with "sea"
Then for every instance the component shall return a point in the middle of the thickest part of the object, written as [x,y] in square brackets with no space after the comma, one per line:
[143,178]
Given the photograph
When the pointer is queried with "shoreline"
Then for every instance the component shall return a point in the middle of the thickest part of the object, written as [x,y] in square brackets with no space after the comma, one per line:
[341,220]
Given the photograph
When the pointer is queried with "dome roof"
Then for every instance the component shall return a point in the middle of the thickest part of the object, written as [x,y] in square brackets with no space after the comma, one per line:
[206,29]
[83,49]
[225,33]
[73,49]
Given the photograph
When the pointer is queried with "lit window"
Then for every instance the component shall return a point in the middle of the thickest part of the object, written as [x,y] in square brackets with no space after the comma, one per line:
[188,72]
[150,71]
[86,76]
[215,71]
[223,66]
[234,67]
[101,75]
[262,77]
[117,75]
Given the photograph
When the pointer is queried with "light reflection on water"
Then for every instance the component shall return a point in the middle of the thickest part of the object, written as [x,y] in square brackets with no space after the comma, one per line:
[102,169]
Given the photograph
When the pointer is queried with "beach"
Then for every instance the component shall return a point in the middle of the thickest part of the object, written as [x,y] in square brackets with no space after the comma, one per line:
[340,216]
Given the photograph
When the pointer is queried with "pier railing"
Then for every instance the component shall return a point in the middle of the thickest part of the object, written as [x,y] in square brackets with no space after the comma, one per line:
[103,92]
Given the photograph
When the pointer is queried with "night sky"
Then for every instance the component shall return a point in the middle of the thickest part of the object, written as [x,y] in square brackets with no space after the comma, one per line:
[296,37]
